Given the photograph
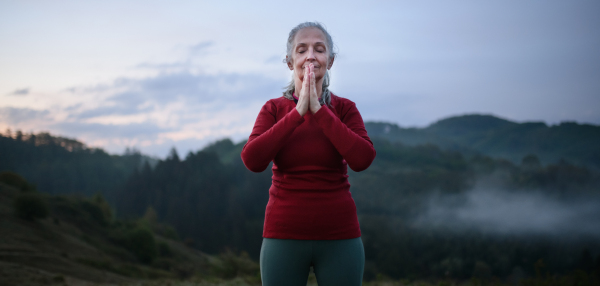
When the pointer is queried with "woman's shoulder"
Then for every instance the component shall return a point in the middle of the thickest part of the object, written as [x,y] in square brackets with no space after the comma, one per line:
[340,100]
[278,101]
[341,103]
[274,105]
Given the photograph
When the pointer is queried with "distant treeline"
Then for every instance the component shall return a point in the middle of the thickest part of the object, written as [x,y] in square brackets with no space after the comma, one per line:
[215,203]
[500,138]
[61,165]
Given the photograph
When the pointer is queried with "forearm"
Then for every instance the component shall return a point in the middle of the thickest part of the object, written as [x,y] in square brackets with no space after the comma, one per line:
[267,139]
[357,150]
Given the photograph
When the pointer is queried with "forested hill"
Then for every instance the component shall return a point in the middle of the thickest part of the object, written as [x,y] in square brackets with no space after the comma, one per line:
[59,165]
[496,137]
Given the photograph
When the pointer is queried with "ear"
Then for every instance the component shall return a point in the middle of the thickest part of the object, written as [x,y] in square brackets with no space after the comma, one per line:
[289,63]
[330,63]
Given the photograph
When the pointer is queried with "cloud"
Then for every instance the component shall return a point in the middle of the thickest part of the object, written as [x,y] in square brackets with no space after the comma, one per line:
[144,130]
[112,110]
[138,96]
[20,92]
[166,67]
[177,105]
[23,116]
[200,47]
[185,64]
[184,109]
[274,59]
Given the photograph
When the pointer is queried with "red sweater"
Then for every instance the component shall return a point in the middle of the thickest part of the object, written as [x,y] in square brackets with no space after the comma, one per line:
[310,194]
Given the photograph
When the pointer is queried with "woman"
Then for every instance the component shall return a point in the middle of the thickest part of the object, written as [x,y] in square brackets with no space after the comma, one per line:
[311,135]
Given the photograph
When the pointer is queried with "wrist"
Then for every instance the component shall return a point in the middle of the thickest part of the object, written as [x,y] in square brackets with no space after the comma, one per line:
[300,111]
[315,108]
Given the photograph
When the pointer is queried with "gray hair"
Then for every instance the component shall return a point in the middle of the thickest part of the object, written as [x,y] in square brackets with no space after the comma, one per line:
[289,90]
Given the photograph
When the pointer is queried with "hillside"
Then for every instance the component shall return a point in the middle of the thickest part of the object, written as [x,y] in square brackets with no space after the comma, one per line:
[65,166]
[78,243]
[496,137]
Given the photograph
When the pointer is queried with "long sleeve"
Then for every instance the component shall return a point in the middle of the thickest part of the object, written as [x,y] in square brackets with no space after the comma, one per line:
[309,197]
[268,137]
[348,135]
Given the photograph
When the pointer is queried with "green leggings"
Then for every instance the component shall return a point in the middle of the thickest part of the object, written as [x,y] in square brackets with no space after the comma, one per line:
[288,261]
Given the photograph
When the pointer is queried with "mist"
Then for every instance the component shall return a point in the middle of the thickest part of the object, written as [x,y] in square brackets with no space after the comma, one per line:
[507,212]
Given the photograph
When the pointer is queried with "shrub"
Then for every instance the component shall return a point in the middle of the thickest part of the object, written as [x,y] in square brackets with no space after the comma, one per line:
[95,213]
[15,180]
[164,249]
[30,206]
[233,265]
[107,212]
[142,244]
[166,231]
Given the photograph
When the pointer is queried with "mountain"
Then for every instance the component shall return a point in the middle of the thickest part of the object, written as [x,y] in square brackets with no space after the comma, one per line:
[497,137]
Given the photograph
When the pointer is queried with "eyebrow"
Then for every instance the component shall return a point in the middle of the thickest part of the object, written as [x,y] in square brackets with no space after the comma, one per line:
[305,44]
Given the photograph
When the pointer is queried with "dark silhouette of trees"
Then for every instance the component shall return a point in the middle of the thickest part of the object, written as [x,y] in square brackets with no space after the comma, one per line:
[59,165]
[218,205]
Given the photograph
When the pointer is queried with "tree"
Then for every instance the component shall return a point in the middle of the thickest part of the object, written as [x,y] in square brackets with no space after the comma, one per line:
[30,206]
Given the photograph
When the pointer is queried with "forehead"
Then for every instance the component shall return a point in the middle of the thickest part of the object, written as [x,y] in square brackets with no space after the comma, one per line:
[309,35]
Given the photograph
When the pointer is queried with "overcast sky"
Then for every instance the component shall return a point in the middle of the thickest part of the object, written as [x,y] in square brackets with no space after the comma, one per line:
[158,74]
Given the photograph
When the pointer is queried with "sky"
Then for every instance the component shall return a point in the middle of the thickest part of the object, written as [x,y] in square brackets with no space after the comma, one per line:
[160,74]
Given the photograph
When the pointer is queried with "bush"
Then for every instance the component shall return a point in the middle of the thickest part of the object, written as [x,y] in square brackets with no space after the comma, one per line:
[15,180]
[95,213]
[164,249]
[107,212]
[30,206]
[142,244]
[233,265]
[166,231]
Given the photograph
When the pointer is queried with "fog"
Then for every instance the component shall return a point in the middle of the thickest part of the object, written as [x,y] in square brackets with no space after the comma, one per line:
[500,211]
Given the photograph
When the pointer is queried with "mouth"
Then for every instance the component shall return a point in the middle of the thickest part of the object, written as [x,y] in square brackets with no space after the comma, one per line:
[315,66]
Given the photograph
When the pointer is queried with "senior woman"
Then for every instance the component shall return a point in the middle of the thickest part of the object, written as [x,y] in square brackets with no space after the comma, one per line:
[311,136]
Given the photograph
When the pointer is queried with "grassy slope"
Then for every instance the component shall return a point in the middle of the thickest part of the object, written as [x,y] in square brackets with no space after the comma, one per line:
[63,250]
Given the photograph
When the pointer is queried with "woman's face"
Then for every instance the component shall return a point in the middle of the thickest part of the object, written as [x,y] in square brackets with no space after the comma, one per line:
[310,46]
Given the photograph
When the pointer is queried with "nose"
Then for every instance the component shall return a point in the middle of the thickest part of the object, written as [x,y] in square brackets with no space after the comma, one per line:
[310,55]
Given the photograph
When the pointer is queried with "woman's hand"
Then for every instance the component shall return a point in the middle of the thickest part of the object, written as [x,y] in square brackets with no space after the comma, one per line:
[304,96]
[314,99]
[308,98]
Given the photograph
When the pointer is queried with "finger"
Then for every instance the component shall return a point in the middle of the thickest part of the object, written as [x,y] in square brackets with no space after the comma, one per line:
[313,84]
[307,81]
[311,74]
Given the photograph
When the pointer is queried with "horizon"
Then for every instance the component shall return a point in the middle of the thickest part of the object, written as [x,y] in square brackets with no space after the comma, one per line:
[208,143]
